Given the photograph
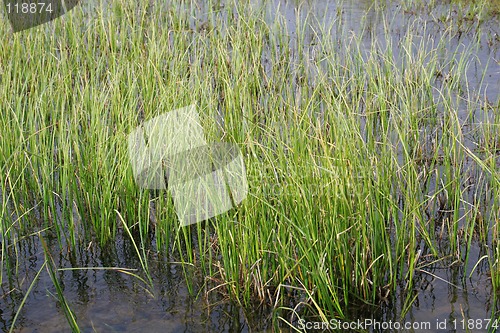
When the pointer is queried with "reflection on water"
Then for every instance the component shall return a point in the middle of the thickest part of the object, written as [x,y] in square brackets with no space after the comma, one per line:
[112,301]
[106,300]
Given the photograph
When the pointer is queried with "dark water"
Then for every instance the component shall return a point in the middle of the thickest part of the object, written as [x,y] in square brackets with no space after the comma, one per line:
[112,301]
[107,300]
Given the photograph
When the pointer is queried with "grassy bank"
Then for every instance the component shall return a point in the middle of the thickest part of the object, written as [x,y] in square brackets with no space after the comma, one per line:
[367,163]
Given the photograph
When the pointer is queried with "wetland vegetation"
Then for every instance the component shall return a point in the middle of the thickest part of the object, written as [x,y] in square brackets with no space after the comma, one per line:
[371,145]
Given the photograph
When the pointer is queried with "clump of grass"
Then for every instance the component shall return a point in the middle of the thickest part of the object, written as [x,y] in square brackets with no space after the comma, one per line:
[358,162]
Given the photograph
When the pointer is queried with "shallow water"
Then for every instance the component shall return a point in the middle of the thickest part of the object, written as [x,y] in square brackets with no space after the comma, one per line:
[107,300]
[112,301]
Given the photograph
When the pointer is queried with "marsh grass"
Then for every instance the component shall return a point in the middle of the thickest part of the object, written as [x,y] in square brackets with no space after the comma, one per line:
[359,165]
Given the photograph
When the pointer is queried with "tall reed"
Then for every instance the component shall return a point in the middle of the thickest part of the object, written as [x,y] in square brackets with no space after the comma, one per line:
[358,160]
